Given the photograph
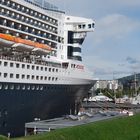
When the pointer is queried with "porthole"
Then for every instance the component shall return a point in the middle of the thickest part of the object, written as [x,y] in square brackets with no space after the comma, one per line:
[33,87]
[11,87]
[23,87]
[41,87]
[37,87]
[18,87]
[6,87]
[28,87]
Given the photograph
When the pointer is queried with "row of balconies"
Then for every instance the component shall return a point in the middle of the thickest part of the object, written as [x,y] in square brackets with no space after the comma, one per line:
[27,29]
[28,11]
[27,20]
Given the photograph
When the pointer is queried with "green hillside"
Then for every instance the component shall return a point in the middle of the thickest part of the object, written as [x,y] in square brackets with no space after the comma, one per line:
[126,128]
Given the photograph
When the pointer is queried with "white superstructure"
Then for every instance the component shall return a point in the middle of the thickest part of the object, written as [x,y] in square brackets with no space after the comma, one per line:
[64,34]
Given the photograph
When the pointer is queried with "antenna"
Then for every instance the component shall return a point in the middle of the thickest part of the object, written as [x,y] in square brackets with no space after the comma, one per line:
[135,86]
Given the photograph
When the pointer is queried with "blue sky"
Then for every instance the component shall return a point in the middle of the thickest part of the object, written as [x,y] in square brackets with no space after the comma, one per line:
[114,47]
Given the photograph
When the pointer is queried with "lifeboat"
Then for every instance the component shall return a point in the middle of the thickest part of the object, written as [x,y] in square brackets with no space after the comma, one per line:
[42,46]
[23,44]
[22,47]
[40,51]
[6,40]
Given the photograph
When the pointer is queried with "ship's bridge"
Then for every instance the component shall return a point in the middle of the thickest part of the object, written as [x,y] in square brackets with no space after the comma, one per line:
[76,29]
[79,24]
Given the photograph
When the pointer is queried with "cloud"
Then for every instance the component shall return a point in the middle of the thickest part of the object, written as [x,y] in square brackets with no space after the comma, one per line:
[127,2]
[131,60]
[114,26]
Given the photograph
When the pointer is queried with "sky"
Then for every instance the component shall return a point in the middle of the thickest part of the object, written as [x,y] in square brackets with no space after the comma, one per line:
[113,49]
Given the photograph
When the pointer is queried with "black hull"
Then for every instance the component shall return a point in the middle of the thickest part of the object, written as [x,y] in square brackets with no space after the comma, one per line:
[21,103]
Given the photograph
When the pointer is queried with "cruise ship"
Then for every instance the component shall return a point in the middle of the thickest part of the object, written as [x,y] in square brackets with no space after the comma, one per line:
[41,70]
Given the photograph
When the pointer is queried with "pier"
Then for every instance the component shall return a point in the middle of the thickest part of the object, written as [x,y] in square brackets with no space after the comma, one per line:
[109,105]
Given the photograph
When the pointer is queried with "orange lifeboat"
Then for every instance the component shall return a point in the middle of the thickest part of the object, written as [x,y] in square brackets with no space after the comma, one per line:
[6,40]
[23,44]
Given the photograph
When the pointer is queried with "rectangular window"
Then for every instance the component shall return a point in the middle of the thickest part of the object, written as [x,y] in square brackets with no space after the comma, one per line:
[33,67]
[28,66]
[37,67]
[11,75]
[23,76]
[37,77]
[41,78]
[33,76]
[11,64]
[28,76]
[23,65]
[17,65]
[17,76]
[89,25]
[41,68]
[5,75]
[5,64]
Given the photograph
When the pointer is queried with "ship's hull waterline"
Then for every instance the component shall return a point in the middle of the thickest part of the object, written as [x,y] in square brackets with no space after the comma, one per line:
[22,105]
